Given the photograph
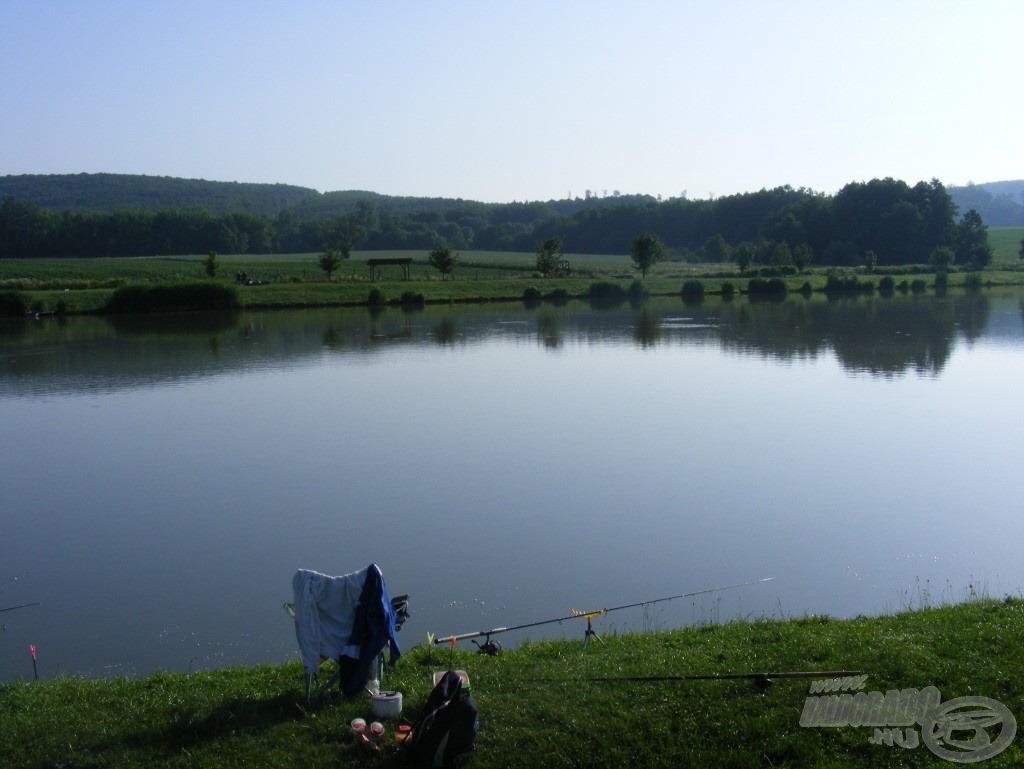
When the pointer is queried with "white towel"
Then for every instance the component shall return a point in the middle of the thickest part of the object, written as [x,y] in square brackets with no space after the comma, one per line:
[325,610]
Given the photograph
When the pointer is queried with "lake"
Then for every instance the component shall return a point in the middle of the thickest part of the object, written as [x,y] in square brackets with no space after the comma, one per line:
[162,478]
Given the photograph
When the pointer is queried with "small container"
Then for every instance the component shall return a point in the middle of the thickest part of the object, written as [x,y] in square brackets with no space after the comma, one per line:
[358,725]
[377,729]
[387,704]
[403,733]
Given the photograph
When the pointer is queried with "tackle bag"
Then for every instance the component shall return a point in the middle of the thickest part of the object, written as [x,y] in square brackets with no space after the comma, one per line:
[445,735]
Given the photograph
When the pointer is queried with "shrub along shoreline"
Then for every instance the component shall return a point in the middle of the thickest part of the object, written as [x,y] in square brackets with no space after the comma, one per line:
[622,701]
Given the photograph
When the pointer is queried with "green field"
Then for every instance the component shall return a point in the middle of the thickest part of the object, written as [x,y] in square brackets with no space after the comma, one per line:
[295,280]
[1005,242]
[544,704]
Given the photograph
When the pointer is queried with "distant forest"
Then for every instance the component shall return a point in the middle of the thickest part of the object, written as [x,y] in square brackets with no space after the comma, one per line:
[91,215]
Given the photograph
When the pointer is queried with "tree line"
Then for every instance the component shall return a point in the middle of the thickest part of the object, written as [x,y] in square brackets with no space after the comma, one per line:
[883,221]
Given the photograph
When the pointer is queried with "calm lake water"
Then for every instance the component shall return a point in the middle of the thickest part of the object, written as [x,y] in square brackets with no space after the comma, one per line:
[163,478]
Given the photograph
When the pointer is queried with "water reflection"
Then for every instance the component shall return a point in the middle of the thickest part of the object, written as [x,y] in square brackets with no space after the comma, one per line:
[880,336]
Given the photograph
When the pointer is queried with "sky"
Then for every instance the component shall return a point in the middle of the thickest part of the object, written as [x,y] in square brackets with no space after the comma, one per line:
[516,100]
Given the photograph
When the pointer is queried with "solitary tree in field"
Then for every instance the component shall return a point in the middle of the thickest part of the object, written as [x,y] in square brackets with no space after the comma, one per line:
[211,264]
[443,260]
[330,260]
[646,251]
[548,252]
[942,257]
[716,249]
[870,261]
[780,255]
[744,256]
[802,256]
[1021,251]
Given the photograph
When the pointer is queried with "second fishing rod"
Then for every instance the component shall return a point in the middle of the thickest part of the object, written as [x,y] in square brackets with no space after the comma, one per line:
[493,647]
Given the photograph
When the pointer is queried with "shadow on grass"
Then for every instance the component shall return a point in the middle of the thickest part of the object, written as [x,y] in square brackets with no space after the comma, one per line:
[188,729]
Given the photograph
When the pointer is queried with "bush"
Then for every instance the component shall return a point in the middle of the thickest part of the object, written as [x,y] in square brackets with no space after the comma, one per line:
[12,305]
[558,296]
[728,289]
[972,281]
[531,294]
[173,298]
[412,299]
[376,298]
[692,289]
[918,286]
[886,285]
[806,289]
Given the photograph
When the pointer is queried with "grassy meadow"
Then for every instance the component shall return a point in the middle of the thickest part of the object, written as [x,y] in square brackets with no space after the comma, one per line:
[553,703]
[294,280]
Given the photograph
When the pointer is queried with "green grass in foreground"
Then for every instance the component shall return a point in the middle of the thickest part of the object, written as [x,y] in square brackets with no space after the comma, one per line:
[539,706]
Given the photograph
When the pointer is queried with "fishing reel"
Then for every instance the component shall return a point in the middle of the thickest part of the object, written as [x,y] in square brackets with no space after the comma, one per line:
[488,647]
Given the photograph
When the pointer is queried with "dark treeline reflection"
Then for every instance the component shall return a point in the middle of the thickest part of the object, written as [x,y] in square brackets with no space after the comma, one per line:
[876,335]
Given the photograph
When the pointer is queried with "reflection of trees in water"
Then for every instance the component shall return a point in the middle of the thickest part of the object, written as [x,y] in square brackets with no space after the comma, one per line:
[775,327]
[446,332]
[549,329]
[872,334]
[646,327]
[333,340]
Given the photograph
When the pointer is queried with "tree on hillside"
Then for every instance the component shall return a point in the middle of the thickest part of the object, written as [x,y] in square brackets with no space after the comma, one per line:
[646,250]
[211,264]
[330,260]
[549,251]
[443,260]
[972,247]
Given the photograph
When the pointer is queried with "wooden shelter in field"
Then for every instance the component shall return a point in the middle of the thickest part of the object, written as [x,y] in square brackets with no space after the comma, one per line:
[404,262]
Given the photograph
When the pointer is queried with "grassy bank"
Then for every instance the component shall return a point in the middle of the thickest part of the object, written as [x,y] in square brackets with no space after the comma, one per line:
[540,705]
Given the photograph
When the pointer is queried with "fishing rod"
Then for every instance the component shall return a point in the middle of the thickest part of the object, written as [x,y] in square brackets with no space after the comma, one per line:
[21,606]
[760,680]
[492,647]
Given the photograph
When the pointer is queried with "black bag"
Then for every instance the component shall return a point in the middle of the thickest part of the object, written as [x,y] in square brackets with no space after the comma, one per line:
[445,736]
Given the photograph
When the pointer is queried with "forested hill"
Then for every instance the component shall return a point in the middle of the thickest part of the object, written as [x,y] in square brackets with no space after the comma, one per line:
[113,192]
[886,220]
[1001,204]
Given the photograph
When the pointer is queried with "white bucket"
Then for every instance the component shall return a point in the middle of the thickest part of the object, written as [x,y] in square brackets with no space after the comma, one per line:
[387,704]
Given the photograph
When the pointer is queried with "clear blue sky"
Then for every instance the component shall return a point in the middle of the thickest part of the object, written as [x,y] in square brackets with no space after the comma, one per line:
[516,100]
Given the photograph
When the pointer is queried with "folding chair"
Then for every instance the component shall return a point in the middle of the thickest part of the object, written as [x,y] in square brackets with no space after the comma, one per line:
[349,619]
